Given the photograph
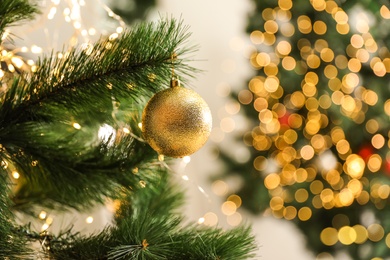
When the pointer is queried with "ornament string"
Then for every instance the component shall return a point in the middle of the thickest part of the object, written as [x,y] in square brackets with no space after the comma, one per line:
[173,59]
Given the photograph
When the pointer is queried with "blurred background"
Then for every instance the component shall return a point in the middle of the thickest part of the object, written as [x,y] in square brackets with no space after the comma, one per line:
[300,97]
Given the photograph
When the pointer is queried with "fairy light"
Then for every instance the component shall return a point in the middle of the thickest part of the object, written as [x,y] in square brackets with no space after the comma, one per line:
[201,220]
[17,61]
[91,31]
[44,227]
[76,126]
[42,214]
[36,49]
[52,13]
[89,220]
[15,175]
[14,62]
[186,159]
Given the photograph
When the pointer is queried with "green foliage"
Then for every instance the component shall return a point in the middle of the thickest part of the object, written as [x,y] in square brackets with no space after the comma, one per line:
[15,11]
[132,10]
[12,244]
[56,160]
[148,226]
[49,133]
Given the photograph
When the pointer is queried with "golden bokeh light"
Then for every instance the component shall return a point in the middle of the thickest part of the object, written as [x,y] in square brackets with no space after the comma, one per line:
[347,235]
[245,97]
[329,236]
[285,4]
[388,240]
[316,187]
[341,17]
[228,208]
[361,234]
[387,107]
[378,141]
[319,27]
[289,63]
[235,199]
[385,12]
[271,84]
[354,166]
[331,7]
[268,14]
[289,212]
[374,163]
[375,232]
[304,213]
[272,181]
[234,219]
[341,61]
[283,48]
[301,195]
[210,219]
[318,5]
[271,27]
[220,188]
[313,61]
[343,146]
[260,163]
[287,29]
[304,24]
[276,203]
[257,37]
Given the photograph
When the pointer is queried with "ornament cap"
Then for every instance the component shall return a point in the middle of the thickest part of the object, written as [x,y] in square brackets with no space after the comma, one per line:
[175,82]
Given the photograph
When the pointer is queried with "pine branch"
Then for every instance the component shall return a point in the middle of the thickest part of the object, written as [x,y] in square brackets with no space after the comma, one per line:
[107,83]
[136,63]
[217,244]
[12,11]
[12,244]
[148,226]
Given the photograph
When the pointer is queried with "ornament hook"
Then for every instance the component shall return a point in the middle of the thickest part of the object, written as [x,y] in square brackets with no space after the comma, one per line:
[175,82]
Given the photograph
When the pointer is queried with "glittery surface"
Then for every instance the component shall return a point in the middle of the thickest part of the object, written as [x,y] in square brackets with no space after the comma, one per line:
[176,122]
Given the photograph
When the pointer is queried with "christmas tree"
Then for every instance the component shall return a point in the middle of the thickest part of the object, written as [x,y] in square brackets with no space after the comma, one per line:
[133,10]
[319,108]
[54,157]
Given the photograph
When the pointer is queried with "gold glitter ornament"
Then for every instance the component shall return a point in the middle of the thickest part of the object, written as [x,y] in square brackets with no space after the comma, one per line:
[176,122]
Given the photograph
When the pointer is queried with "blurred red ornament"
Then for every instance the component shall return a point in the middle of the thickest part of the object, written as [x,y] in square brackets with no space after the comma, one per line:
[366,151]
[387,167]
[283,120]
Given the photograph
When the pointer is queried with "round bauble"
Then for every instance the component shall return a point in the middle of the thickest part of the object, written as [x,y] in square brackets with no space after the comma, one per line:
[176,122]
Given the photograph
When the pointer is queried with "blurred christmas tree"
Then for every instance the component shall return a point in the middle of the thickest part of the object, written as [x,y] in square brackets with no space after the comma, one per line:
[71,138]
[132,10]
[319,107]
